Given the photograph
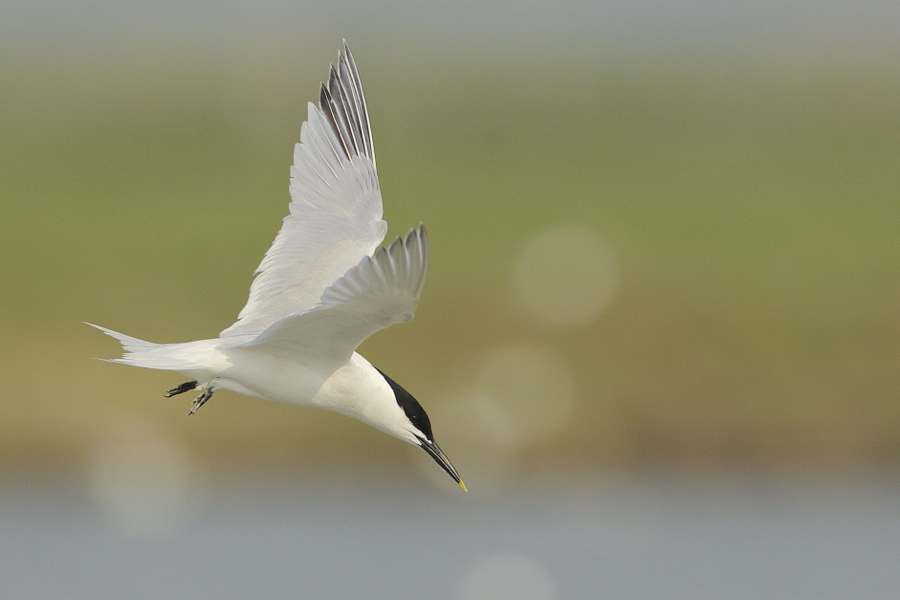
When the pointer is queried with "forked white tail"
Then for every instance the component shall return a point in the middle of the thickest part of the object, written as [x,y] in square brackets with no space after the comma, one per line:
[168,357]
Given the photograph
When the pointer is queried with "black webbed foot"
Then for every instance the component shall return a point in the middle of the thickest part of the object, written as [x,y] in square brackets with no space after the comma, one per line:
[184,387]
[201,400]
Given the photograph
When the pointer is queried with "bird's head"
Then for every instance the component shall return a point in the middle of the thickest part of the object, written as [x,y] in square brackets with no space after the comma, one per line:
[420,429]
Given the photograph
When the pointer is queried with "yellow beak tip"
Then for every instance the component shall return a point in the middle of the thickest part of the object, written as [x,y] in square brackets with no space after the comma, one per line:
[463,486]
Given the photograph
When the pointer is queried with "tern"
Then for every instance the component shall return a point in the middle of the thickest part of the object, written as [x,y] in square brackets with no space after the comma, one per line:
[323,287]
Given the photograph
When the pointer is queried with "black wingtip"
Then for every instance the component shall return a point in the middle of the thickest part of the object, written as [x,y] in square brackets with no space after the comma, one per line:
[342,101]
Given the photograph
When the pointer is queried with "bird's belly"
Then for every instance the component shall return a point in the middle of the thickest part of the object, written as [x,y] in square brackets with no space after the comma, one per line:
[273,378]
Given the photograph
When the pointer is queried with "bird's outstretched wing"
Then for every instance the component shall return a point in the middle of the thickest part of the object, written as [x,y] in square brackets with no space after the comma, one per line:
[381,290]
[336,209]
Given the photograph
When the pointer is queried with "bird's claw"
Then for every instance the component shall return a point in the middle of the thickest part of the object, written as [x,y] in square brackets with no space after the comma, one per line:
[184,387]
[201,400]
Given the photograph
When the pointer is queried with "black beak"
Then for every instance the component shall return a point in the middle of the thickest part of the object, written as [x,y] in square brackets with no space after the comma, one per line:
[440,458]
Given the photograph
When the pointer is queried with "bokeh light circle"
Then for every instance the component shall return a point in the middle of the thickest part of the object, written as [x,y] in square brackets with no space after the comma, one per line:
[145,482]
[566,276]
[532,391]
[508,576]
[510,398]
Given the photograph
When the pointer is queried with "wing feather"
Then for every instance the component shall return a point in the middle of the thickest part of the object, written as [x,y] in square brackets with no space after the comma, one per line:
[335,210]
[380,291]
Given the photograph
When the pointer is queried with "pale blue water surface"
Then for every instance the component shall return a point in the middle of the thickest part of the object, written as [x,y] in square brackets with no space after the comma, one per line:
[579,536]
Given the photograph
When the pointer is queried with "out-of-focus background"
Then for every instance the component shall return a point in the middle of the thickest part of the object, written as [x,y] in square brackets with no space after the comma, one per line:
[660,338]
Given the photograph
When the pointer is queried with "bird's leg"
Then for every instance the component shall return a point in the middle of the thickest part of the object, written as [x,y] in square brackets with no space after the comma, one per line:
[201,400]
[184,387]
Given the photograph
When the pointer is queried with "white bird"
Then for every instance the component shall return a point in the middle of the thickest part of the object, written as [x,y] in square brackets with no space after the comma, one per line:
[321,289]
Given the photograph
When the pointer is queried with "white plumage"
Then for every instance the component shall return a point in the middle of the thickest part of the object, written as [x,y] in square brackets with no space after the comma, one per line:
[321,289]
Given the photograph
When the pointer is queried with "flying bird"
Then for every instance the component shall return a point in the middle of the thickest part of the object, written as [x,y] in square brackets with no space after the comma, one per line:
[322,288]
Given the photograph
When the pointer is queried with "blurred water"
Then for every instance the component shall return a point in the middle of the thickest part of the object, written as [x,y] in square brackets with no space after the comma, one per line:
[609,536]
[783,31]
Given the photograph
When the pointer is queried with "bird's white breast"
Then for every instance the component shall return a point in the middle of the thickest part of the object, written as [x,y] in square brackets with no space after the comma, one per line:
[355,389]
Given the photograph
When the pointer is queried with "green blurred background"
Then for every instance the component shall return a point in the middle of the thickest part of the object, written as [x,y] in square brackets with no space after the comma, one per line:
[740,170]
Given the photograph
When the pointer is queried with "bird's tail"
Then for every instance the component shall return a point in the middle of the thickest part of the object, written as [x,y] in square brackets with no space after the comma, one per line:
[168,357]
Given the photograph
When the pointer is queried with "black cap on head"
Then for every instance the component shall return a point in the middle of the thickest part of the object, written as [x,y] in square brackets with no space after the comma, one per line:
[414,411]
[417,416]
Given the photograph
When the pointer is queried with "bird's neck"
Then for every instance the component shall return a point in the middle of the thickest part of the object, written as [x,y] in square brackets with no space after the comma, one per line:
[359,391]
